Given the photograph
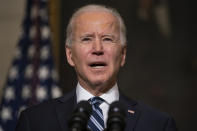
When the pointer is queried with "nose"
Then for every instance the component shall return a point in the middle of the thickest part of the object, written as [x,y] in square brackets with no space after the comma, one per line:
[98,47]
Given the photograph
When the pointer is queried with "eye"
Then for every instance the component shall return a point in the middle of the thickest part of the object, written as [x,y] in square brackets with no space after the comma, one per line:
[86,39]
[107,39]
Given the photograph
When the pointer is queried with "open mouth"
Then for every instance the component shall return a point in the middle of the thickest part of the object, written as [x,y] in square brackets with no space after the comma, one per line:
[97,64]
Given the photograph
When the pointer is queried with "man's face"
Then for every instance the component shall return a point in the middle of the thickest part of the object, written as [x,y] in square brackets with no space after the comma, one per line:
[96,52]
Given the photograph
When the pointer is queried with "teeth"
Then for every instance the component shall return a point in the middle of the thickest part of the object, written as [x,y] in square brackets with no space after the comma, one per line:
[97,66]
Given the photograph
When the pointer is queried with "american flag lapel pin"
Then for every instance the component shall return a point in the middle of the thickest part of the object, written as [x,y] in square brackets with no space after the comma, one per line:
[131,111]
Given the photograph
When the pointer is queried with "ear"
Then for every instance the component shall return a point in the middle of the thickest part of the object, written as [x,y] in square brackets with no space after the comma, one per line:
[123,55]
[69,55]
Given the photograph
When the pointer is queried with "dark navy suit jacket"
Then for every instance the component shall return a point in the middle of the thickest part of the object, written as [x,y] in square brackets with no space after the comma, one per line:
[53,116]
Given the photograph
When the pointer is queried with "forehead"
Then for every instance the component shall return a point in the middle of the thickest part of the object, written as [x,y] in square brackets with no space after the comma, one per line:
[96,20]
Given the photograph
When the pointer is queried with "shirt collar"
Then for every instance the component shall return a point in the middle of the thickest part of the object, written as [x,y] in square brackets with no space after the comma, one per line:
[110,96]
[82,94]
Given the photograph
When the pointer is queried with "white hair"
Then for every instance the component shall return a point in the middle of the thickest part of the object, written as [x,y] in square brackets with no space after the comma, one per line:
[90,8]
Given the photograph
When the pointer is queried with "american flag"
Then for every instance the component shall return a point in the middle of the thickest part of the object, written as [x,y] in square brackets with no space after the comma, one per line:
[32,77]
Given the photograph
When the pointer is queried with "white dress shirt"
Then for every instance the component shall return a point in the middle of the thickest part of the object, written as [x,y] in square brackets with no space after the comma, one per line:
[109,97]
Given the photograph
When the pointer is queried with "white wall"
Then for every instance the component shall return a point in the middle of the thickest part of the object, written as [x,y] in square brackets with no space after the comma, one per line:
[11,16]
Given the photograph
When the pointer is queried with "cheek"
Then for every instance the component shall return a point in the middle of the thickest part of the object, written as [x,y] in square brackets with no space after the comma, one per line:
[117,55]
[79,56]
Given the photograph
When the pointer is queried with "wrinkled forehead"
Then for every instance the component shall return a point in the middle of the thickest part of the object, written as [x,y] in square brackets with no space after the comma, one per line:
[98,20]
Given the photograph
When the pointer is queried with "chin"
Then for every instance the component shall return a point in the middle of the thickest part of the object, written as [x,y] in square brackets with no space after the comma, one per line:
[102,83]
[98,82]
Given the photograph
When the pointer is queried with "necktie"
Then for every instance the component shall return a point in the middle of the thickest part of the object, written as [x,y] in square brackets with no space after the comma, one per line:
[96,122]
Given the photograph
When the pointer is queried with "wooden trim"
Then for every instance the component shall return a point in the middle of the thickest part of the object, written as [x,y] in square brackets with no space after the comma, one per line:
[54,18]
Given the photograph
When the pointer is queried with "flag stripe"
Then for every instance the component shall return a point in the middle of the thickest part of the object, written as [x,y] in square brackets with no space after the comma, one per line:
[31,77]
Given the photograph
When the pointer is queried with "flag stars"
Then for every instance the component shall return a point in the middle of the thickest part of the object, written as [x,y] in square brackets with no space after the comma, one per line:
[26,93]
[54,75]
[43,14]
[34,11]
[31,51]
[41,93]
[32,65]
[6,114]
[44,53]
[9,93]
[17,53]
[45,32]
[43,73]
[56,92]
[13,74]
[29,71]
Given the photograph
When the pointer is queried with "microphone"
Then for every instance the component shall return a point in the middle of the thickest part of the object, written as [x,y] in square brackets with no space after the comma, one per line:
[116,117]
[80,117]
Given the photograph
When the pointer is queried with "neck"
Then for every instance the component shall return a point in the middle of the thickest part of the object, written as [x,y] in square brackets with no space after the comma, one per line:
[97,89]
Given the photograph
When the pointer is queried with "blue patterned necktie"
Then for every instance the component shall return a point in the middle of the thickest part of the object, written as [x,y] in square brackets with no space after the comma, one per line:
[96,122]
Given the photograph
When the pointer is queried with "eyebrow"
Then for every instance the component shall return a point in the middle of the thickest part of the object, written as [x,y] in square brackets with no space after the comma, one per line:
[93,35]
[87,35]
[110,35]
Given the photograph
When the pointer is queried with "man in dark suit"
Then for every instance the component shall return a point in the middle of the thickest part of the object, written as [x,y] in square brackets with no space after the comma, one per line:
[96,48]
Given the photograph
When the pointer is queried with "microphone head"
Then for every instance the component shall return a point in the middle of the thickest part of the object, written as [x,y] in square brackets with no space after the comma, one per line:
[80,116]
[116,117]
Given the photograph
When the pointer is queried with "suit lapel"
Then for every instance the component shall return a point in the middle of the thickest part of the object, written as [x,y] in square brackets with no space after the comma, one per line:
[67,104]
[132,112]
[65,109]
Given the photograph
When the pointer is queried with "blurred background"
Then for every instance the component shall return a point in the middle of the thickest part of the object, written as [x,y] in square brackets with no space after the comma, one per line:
[161,63]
